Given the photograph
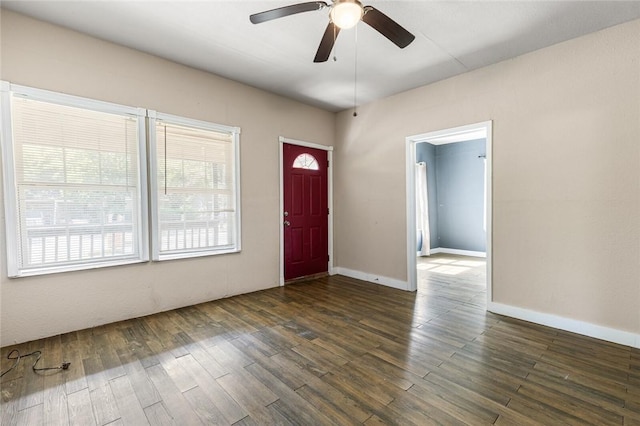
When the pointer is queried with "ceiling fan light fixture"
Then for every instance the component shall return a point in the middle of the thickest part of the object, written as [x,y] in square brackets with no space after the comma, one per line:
[346,14]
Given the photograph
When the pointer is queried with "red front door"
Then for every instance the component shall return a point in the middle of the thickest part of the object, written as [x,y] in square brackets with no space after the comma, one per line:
[306,211]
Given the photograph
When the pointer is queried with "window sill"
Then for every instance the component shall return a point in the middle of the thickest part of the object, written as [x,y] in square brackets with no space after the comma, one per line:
[192,254]
[72,268]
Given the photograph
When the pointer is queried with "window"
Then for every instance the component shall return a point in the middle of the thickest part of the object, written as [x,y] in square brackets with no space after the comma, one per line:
[75,184]
[305,161]
[75,190]
[194,187]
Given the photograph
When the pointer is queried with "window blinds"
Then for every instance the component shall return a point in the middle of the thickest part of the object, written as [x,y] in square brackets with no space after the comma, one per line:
[195,189]
[77,184]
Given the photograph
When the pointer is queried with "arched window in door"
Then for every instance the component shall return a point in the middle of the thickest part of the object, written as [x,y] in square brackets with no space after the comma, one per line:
[305,161]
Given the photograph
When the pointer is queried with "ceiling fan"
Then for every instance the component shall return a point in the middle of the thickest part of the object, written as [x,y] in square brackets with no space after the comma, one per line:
[343,14]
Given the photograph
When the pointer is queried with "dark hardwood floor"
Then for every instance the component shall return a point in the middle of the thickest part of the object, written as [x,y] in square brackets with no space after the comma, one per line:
[329,351]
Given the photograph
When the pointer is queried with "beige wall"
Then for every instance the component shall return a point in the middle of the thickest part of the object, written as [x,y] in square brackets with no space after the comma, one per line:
[49,57]
[566,176]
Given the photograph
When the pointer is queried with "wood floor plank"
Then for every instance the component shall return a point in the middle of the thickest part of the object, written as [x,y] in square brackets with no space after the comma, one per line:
[55,397]
[108,355]
[393,374]
[299,330]
[420,412]
[234,326]
[581,377]
[144,389]
[515,364]
[172,367]
[419,365]
[304,378]
[610,372]
[430,334]
[174,402]
[501,342]
[504,413]
[332,350]
[364,398]
[228,356]
[105,408]
[216,395]
[157,415]
[253,347]
[286,370]
[75,377]
[480,379]
[292,336]
[302,362]
[590,394]
[324,359]
[567,403]
[32,390]
[164,342]
[33,415]
[341,410]
[129,407]
[208,363]
[337,347]
[102,400]
[469,408]
[265,416]
[540,413]
[202,405]
[80,408]
[361,388]
[96,375]
[10,391]
[136,347]
[245,389]
[290,404]
[249,313]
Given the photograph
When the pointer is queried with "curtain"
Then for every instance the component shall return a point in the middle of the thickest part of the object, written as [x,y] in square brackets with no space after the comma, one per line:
[422,210]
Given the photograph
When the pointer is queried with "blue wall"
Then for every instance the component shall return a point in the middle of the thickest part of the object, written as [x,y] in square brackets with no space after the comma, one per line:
[455,181]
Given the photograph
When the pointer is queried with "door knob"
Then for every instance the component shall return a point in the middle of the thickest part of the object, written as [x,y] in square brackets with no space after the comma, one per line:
[287,223]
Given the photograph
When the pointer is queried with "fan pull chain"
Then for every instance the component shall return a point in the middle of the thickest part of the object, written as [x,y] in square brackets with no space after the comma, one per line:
[355,76]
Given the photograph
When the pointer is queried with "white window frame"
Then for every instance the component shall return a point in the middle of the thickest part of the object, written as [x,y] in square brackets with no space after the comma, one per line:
[7,90]
[156,254]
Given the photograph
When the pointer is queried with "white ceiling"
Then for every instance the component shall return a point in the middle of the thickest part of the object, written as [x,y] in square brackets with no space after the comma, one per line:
[452,37]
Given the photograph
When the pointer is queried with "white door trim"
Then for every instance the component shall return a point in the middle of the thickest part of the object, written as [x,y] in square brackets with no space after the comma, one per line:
[329,150]
[436,138]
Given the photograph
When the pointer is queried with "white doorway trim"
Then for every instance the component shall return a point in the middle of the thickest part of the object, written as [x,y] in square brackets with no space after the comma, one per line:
[329,150]
[467,132]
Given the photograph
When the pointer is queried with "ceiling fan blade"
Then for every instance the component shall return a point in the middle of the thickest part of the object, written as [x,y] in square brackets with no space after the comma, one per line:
[327,42]
[387,27]
[281,12]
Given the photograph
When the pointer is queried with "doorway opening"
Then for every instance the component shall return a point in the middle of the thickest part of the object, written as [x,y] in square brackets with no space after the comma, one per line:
[454,146]
[306,210]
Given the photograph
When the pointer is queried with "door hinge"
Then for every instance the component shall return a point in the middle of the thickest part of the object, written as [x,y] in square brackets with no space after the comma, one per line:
[327,164]
[328,258]
[328,211]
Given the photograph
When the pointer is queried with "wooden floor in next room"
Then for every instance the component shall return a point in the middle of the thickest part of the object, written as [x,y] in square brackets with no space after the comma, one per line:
[330,351]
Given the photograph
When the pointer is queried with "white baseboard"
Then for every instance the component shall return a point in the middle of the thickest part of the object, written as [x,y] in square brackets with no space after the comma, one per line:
[580,327]
[459,252]
[372,278]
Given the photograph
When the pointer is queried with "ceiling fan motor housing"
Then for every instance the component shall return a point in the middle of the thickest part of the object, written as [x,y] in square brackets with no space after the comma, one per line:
[346,13]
